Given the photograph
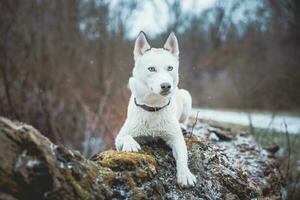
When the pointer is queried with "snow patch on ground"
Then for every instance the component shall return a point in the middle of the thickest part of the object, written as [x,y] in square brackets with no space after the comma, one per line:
[259,120]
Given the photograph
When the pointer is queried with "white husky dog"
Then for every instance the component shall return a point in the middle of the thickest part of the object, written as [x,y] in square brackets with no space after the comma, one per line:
[157,105]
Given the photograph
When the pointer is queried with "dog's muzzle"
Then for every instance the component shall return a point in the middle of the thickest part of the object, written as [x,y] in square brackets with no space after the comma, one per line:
[165,88]
[164,93]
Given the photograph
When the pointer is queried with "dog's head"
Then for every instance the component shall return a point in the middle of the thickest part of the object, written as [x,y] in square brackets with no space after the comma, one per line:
[156,69]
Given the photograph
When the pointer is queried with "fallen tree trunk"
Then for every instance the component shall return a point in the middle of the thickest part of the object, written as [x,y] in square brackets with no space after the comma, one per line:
[32,167]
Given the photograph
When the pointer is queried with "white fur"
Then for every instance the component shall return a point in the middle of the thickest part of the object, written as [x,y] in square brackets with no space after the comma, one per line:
[145,87]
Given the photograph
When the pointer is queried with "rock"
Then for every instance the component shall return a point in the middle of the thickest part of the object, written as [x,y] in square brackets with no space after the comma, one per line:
[32,167]
[272,149]
[213,137]
[221,134]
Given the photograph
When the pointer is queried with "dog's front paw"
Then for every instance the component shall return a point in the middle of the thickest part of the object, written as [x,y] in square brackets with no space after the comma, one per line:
[185,178]
[127,143]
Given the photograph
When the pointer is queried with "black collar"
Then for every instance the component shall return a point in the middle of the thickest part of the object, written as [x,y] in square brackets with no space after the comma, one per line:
[149,108]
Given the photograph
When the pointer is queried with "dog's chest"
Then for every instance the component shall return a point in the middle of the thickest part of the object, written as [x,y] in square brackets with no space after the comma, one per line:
[152,124]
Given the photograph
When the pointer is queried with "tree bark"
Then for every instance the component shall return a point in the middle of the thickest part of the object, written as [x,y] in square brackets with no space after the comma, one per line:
[32,167]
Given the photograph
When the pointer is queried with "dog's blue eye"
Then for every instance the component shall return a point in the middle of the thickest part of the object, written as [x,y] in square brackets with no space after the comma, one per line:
[152,69]
[170,68]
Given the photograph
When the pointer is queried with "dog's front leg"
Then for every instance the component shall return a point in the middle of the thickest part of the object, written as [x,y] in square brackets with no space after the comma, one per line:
[124,141]
[184,176]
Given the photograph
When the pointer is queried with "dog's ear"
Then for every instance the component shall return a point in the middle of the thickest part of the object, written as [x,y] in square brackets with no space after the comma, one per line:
[141,45]
[172,45]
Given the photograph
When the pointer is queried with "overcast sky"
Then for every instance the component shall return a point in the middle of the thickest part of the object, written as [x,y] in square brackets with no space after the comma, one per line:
[151,16]
[153,19]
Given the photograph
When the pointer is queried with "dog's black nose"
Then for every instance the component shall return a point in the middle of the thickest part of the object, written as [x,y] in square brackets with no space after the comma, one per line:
[165,86]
